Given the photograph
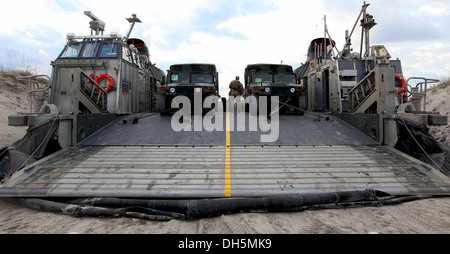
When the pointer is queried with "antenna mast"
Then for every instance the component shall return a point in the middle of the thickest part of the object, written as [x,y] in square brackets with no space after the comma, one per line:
[97,25]
[133,20]
[366,23]
[348,41]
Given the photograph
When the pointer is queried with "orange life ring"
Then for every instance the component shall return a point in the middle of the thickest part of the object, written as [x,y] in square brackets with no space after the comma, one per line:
[403,89]
[107,76]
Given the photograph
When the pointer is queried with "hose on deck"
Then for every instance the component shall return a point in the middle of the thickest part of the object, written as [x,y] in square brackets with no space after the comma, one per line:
[164,210]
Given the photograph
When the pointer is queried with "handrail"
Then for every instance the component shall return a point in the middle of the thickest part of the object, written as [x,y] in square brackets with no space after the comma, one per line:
[94,92]
[422,88]
[35,87]
[366,86]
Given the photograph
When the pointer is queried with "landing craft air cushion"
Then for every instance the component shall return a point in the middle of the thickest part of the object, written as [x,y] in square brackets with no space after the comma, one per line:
[99,140]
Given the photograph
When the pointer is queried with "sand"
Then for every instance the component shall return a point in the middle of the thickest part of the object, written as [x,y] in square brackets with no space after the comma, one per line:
[428,216]
[13,100]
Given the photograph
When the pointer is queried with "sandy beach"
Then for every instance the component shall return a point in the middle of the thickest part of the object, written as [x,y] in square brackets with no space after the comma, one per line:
[428,216]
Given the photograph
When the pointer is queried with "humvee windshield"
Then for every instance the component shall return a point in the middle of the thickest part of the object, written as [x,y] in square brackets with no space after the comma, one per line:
[259,78]
[180,78]
[277,78]
[202,78]
[192,78]
[285,78]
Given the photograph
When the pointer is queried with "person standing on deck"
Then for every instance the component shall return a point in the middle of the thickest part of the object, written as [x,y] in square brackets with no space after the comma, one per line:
[236,92]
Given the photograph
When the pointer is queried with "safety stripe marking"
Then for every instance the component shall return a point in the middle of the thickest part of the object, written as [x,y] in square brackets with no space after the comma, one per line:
[227,188]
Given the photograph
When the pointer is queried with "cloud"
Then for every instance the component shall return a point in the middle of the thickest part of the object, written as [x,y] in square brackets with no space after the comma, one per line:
[436,10]
[157,35]
[33,16]
[235,33]
[430,56]
[268,36]
[43,53]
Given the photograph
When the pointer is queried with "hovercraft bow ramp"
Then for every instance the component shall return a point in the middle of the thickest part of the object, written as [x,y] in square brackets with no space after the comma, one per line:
[313,154]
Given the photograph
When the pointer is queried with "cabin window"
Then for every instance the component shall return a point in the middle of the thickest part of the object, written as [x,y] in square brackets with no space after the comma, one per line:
[108,49]
[72,50]
[90,49]
[127,55]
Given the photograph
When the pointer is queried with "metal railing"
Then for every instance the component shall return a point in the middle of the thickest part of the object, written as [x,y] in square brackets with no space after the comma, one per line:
[418,94]
[94,92]
[359,93]
[38,92]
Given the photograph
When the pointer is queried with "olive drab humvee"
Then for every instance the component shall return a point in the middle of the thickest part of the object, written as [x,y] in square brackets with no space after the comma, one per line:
[275,80]
[188,80]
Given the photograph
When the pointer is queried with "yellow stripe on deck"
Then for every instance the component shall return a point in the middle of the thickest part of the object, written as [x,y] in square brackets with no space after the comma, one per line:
[227,188]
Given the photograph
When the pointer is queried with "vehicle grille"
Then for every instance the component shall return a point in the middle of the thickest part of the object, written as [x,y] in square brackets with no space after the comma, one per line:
[185,89]
[280,89]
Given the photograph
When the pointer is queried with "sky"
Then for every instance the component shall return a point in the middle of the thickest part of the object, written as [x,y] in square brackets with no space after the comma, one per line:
[230,33]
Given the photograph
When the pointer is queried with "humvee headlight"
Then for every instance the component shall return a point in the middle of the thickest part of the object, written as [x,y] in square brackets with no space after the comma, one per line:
[198,89]
[172,90]
[292,90]
[267,90]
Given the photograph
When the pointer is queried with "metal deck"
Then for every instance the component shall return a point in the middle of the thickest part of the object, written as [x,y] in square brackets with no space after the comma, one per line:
[168,164]
[309,129]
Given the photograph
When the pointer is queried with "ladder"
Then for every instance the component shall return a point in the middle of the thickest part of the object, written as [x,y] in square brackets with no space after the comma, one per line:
[93,92]
[362,91]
